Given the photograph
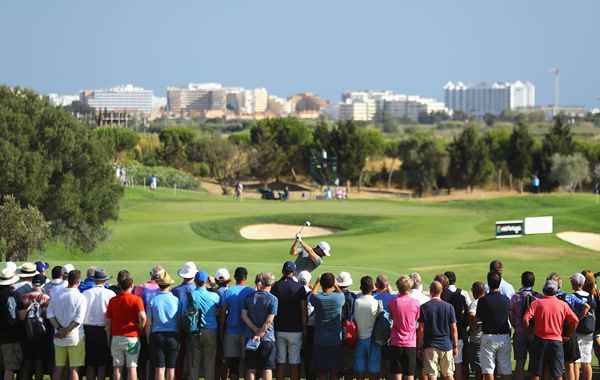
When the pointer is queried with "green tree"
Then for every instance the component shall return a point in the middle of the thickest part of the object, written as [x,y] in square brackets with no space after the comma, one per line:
[53,162]
[497,141]
[392,151]
[118,140]
[489,119]
[422,162]
[22,230]
[225,160]
[174,143]
[520,154]
[570,171]
[559,140]
[470,164]
[390,124]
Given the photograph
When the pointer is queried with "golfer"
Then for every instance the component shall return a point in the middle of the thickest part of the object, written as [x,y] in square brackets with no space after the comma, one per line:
[309,258]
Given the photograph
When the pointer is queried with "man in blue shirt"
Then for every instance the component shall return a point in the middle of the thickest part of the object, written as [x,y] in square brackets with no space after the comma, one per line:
[258,314]
[203,345]
[233,341]
[328,304]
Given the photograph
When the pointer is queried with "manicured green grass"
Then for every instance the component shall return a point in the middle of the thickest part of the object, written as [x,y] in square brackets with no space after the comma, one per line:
[377,236]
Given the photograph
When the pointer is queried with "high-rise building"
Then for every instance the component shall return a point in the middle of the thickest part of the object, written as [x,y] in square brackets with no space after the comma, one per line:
[279,106]
[484,97]
[196,98]
[306,102]
[119,99]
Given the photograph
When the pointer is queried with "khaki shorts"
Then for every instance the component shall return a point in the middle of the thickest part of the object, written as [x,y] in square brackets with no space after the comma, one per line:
[436,362]
[125,351]
[74,355]
[12,356]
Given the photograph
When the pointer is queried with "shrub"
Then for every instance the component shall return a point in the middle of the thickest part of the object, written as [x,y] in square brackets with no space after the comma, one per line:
[167,177]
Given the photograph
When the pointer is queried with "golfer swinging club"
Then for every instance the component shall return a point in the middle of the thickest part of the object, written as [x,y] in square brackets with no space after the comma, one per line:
[309,258]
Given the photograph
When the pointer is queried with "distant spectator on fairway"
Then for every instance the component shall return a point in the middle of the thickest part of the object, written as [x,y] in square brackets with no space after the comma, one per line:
[309,258]
[506,289]
[417,288]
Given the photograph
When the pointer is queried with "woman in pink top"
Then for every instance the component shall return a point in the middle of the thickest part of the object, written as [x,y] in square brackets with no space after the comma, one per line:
[404,311]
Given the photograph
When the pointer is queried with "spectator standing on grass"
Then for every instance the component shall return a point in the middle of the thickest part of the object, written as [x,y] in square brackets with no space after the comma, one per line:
[123,274]
[202,346]
[36,349]
[590,286]
[187,272]
[162,330]
[522,338]
[344,281]
[148,289]
[383,291]
[67,313]
[367,354]
[42,267]
[11,332]
[584,334]
[88,282]
[492,311]
[417,288]
[327,348]
[437,335]
[309,258]
[404,311]
[549,315]
[290,321]
[506,289]
[221,286]
[258,313]
[475,333]
[459,299]
[125,321]
[96,341]
[57,283]
[304,279]
[25,272]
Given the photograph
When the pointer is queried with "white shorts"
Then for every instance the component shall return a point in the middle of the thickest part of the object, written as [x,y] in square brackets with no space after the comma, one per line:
[495,349]
[125,351]
[586,347]
[289,345]
[458,359]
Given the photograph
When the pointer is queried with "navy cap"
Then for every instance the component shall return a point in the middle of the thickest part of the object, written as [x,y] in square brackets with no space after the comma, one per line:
[289,267]
[41,266]
[201,276]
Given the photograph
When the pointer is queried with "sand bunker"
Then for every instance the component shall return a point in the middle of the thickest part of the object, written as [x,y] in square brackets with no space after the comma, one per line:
[271,231]
[583,239]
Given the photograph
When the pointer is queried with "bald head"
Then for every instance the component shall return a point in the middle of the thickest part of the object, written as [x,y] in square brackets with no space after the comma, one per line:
[435,289]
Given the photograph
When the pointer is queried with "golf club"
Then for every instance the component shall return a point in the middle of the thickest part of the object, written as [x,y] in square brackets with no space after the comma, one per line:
[306,224]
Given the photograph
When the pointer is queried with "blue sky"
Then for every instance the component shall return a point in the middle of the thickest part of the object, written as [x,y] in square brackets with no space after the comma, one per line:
[324,46]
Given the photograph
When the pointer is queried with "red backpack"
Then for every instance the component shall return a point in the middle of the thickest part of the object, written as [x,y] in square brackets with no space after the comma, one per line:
[350,333]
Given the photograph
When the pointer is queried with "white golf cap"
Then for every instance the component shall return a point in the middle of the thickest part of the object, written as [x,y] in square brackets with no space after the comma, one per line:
[324,246]
[344,279]
[304,277]
[68,268]
[187,270]
[222,274]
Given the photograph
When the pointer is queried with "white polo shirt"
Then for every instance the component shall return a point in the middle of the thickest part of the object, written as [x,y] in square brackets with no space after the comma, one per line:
[69,306]
[97,299]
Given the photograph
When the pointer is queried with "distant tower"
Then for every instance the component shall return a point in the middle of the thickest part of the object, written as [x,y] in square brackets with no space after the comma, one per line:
[556,72]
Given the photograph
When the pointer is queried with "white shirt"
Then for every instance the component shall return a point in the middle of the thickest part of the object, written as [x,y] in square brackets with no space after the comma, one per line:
[69,306]
[365,312]
[54,287]
[419,296]
[97,301]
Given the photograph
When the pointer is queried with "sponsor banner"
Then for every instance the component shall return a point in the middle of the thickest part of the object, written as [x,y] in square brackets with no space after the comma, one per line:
[538,225]
[509,229]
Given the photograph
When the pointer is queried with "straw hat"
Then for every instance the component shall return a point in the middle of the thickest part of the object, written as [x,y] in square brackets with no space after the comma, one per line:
[8,276]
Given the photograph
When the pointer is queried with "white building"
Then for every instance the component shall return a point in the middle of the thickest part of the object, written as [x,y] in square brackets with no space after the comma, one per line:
[279,106]
[62,100]
[254,101]
[125,98]
[484,97]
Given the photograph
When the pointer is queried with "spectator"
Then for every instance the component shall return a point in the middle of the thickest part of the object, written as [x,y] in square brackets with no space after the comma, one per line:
[96,340]
[522,338]
[344,281]
[56,284]
[383,291]
[584,335]
[304,279]
[492,311]
[221,286]
[309,258]
[405,312]
[328,304]
[290,321]
[222,279]
[367,354]
[89,282]
[590,287]
[438,335]
[149,289]
[417,288]
[202,348]
[25,273]
[11,332]
[67,313]
[162,330]
[474,357]
[125,320]
[66,269]
[459,299]
[187,272]
[258,314]
[549,314]
[36,350]
[233,341]
[42,267]
[123,274]
[506,289]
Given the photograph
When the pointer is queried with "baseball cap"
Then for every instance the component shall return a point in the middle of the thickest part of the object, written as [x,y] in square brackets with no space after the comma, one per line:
[38,280]
[201,276]
[42,266]
[222,274]
[289,267]
[325,248]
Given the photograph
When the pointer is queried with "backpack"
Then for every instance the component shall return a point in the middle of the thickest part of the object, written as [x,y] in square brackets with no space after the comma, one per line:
[527,298]
[8,311]
[192,317]
[382,329]
[35,328]
[461,310]
[587,324]
[349,329]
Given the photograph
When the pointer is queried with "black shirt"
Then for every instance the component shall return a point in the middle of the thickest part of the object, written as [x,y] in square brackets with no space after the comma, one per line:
[290,296]
[437,317]
[11,329]
[492,311]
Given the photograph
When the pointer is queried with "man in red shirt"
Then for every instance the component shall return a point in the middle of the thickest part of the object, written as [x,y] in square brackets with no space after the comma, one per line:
[125,319]
[549,315]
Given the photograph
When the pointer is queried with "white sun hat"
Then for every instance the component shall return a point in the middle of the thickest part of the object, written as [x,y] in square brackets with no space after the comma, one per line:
[187,270]
[325,247]
[344,279]
[222,274]
[8,276]
[304,277]
[68,268]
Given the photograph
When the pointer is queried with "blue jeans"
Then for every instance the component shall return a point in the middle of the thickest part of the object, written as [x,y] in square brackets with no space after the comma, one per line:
[367,357]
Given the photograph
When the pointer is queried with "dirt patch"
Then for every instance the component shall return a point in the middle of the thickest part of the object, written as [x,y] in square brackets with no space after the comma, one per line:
[270,231]
[583,239]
